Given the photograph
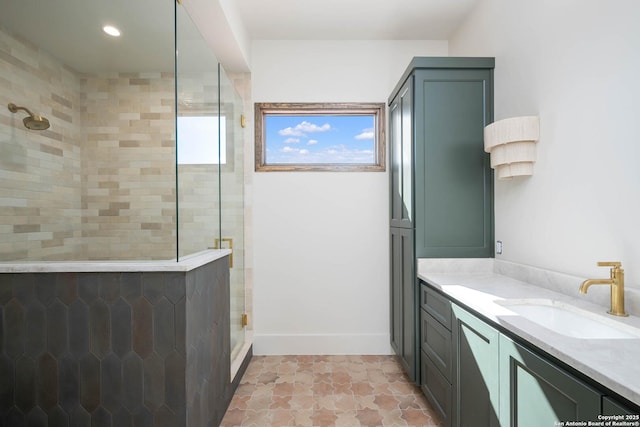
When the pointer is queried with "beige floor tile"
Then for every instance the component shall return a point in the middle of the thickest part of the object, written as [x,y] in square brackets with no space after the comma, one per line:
[323,391]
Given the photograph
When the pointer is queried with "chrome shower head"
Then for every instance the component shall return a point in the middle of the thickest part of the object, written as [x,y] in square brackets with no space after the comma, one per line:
[32,122]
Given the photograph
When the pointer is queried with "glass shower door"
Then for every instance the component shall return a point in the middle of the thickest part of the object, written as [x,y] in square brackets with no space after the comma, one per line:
[210,167]
[232,201]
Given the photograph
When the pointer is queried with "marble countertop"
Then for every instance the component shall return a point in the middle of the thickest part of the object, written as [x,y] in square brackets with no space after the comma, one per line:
[187,263]
[481,284]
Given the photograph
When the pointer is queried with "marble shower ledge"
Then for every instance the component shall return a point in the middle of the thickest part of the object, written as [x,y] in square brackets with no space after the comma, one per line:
[478,283]
[188,263]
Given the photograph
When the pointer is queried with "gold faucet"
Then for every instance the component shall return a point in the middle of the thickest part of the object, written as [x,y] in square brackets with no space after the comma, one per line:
[617,287]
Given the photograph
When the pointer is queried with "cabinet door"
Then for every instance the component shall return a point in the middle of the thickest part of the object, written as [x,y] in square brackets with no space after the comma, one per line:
[476,386]
[404,299]
[453,177]
[401,156]
[536,393]
[611,406]
[437,389]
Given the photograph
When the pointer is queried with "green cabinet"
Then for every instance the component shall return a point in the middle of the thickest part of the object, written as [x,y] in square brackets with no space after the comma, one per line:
[476,348]
[436,359]
[459,363]
[454,180]
[536,392]
[476,376]
[440,177]
[403,296]
[441,183]
[610,406]
[401,156]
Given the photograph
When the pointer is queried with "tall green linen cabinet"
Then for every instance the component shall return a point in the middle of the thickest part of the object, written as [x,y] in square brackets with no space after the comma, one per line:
[441,201]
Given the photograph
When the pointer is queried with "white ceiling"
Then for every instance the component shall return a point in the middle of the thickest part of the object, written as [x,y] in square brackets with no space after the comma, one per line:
[70,29]
[352,19]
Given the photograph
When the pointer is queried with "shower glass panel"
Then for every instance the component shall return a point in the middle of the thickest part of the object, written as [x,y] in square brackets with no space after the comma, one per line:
[232,200]
[201,140]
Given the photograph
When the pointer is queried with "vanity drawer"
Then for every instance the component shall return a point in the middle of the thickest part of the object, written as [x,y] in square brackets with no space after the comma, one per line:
[436,343]
[436,305]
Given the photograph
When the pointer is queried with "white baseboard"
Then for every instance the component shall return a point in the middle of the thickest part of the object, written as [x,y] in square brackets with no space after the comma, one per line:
[363,344]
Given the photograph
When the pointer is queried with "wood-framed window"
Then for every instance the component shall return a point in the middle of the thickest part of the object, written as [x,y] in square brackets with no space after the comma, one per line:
[320,137]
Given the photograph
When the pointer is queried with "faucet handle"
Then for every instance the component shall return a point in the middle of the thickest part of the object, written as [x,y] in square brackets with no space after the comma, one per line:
[614,264]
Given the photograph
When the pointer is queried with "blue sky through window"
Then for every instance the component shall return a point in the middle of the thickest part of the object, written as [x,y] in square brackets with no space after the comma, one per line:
[320,139]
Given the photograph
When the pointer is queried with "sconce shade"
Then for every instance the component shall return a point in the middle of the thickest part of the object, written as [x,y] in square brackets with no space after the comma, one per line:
[512,145]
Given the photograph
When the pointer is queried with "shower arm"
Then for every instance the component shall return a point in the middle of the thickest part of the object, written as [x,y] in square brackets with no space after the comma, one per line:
[14,109]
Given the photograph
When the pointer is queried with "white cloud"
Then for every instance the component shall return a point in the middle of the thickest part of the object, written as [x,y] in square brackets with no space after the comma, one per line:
[311,128]
[304,127]
[290,132]
[292,140]
[366,134]
[334,154]
[312,142]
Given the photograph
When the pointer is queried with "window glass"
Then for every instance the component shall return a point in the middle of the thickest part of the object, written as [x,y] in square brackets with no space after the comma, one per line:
[198,140]
[319,137]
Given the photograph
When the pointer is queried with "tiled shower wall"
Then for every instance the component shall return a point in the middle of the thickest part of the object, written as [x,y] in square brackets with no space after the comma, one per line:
[40,171]
[128,166]
[100,183]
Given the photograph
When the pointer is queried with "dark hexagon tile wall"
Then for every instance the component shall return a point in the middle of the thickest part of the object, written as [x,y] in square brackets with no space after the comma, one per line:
[115,349]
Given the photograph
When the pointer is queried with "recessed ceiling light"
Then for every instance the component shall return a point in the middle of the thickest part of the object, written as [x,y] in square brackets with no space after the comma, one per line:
[111,30]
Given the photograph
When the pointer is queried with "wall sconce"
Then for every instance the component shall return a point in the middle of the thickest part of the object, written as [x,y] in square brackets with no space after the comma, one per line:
[512,145]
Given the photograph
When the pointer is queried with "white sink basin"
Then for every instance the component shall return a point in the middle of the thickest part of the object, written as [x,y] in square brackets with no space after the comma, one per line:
[570,321]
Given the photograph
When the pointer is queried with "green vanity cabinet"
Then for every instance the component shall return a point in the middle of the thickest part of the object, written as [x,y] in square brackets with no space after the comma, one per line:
[536,392]
[436,358]
[476,348]
[476,375]
[610,406]
[459,362]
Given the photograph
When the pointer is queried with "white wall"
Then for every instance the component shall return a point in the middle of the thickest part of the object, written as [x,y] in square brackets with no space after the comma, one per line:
[321,270]
[576,64]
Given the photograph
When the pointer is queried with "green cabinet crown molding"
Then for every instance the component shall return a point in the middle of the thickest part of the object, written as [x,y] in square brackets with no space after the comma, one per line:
[443,62]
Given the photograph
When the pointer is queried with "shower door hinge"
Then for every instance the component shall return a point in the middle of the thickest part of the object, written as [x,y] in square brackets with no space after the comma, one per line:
[244,321]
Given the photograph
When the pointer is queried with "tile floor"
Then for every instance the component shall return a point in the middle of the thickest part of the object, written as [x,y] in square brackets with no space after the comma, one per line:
[324,391]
